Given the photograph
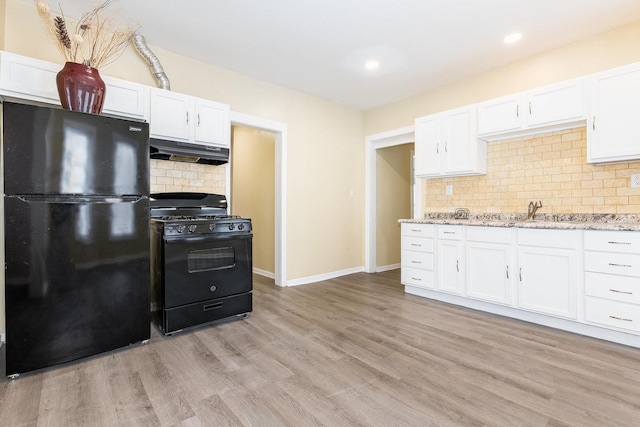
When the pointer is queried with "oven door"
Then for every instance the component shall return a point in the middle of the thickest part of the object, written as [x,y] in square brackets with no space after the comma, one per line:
[198,268]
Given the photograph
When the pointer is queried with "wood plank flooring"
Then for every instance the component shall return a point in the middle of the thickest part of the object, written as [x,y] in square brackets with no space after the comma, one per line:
[352,351]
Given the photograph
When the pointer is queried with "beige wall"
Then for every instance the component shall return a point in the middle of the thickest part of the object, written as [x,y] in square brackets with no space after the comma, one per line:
[253,190]
[393,200]
[325,154]
[551,168]
[614,48]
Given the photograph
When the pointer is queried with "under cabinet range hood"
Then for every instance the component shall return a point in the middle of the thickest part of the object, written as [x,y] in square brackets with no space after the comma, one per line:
[186,152]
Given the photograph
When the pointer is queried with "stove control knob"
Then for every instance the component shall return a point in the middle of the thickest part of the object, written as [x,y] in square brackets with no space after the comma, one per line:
[232,226]
[181,228]
[192,228]
[240,226]
[212,227]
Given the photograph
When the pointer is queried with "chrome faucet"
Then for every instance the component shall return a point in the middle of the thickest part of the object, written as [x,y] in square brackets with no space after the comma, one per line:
[533,207]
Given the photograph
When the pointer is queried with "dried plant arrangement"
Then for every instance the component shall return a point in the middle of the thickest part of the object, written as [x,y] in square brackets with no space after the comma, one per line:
[93,41]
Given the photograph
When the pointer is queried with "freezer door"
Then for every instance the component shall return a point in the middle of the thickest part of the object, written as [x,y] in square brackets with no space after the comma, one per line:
[77,278]
[52,151]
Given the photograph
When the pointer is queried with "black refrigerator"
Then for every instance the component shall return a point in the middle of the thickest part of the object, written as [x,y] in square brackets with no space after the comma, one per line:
[76,225]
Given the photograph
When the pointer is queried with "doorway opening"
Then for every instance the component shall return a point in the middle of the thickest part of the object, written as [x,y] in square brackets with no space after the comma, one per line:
[279,132]
[373,143]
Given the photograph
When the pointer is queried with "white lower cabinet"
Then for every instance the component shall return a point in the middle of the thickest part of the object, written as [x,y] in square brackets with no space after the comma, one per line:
[490,266]
[585,281]
[548,271]
[417,255]
[450,273]
[612,279]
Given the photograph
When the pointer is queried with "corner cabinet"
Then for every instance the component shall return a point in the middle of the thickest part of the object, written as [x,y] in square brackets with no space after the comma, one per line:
[549,107]
[613,128]
[179,117]
[446,145]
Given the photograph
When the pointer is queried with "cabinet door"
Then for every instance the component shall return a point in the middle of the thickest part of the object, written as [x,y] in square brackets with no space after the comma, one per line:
[170,115]
[28,78]
[613,128]
[489,272]
[212,123]
[499,115]
[547,280]
[554,104]
[427,146]
[449,272]
[125,99]
[459,140]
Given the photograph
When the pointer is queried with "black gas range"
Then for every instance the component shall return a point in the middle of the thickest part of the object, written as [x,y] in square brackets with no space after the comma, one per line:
[201,261]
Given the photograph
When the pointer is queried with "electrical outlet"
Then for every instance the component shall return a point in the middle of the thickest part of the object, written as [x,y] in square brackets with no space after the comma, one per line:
[448,190]
[635,180]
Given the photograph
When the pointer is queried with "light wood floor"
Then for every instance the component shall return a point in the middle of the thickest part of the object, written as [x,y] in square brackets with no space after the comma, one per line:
[353,351]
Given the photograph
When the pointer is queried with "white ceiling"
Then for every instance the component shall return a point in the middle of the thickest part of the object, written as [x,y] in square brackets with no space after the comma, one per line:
[320,46]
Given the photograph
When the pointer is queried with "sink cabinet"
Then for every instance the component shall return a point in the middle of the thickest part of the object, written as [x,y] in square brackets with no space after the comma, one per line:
[547,272]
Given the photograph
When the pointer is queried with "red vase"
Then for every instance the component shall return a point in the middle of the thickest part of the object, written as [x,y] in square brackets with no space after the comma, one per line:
[80,88]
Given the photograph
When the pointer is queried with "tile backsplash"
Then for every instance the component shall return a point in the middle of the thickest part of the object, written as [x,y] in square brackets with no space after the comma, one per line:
[179,176]
[549,167]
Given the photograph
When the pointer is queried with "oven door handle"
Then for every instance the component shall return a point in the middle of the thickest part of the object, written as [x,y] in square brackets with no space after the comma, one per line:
[214,306]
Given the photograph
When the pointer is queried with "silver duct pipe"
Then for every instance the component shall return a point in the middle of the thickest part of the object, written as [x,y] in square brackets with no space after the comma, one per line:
[154,63]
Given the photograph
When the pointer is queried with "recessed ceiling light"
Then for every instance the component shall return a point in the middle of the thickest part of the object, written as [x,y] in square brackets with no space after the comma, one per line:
[371,65]
[512,38]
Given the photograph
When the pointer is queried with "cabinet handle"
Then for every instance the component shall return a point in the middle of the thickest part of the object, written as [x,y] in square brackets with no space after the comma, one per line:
[529,107]
[187,117]
[416,230]
[621,292]
[621,318]
[448,232]
[507,271]
[416,244]
[620,265]
[457,266]
[520,274]
[445,147]
[438,148]
[416,279]
[593,123]
[416,262]
[198,119]
[518,110]
[619,243]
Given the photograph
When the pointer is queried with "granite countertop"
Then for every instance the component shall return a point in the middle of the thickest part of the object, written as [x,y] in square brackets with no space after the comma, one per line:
[549,221]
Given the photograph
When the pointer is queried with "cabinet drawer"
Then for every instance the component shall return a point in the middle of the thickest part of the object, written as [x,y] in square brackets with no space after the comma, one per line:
[417,230]
[612,313]
[419,244]
[612,263]
[415,259]
[417,277]
[609,286]
[547,238]
[450,232]
[489,234]
[612,241]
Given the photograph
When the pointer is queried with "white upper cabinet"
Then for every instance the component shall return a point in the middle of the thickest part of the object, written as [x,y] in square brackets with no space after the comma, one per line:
[22,77]
[185,118]
[446,144]
[613,128]
[551,107]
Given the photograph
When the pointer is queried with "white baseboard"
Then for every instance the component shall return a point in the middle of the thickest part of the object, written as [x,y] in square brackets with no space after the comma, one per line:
[325,276]
[264,273]
[387,268]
